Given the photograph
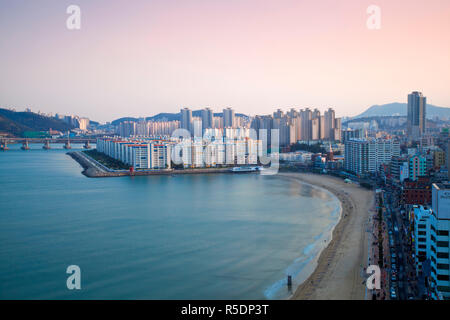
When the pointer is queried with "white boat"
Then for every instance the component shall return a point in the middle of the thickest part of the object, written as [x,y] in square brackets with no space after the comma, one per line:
[244,169]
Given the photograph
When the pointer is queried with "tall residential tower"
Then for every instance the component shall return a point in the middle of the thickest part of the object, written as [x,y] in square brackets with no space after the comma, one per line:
[416,121]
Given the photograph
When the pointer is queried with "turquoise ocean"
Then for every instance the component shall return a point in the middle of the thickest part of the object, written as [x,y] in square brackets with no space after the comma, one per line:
[218,236]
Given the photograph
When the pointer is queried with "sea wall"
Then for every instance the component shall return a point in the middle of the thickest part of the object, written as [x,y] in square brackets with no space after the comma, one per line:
[94,170]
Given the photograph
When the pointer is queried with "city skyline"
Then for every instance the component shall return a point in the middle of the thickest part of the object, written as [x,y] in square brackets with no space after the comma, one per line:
[134,57]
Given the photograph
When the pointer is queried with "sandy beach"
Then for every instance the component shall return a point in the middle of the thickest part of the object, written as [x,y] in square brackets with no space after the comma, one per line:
[340,267]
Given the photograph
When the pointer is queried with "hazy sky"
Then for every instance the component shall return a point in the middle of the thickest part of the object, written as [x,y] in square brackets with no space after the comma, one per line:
[139,58]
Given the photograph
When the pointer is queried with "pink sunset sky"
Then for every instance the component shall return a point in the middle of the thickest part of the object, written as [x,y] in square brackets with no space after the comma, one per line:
[139,58]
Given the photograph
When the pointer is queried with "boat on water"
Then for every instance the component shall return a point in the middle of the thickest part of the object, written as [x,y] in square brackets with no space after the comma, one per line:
[245,169]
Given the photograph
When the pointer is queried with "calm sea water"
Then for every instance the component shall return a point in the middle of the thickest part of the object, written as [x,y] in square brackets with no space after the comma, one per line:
[184,237]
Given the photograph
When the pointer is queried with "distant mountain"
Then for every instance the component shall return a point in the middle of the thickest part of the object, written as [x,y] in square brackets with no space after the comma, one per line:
[400,109]
[16,123]
[168,117]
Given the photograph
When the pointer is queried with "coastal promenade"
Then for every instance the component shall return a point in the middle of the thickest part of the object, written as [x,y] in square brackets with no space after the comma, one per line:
[339,274]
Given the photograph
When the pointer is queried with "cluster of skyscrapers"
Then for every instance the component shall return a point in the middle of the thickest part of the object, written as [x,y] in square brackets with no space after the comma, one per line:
[143,128]
[301,125]
[209,120]
[293,126]
[367,155]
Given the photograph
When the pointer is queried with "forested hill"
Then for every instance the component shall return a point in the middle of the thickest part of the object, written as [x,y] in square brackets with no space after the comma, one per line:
[16,123]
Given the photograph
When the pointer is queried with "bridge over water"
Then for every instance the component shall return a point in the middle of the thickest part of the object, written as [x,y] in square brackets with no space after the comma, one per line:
[46,142]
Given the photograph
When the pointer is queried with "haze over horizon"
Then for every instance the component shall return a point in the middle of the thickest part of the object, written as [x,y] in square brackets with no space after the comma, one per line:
[146,57]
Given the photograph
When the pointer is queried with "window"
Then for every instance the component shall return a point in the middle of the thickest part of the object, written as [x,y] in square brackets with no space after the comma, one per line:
[442,266]
[442,277]
[422,239]
[442,244]
[422,246]
[442,255]
[422,226]
[422,233]
[442,233]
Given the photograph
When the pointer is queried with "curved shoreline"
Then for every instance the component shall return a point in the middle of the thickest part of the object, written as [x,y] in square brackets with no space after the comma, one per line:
[328,237]
[339,266]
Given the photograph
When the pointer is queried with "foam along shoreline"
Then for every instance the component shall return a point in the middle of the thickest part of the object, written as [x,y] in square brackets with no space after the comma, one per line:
[93,169]
[303,266]
[338,273]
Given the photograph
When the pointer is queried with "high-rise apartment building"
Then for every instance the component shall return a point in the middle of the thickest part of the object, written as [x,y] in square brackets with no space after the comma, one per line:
[329,121]
[228,118]
[363,156]
[207,119]
[186,119]
[306,117]
[381,152]
[127,128]
[357,156]
[416,117]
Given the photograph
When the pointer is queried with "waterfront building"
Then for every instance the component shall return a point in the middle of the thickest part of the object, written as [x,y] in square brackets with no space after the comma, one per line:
[197,127]
[140,154]
[240,152]
[190,153]
[186,153]
[197,154]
